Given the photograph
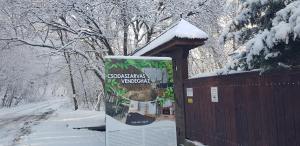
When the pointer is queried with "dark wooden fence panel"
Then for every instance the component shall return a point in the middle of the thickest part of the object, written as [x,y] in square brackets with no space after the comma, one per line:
[253,110]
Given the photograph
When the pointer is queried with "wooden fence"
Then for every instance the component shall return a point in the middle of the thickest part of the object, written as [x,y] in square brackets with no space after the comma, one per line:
[253,109]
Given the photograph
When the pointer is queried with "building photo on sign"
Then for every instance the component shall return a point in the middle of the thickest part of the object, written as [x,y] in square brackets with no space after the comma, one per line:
[139,101]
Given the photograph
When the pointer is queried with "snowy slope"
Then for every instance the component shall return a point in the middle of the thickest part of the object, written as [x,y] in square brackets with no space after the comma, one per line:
[50,123]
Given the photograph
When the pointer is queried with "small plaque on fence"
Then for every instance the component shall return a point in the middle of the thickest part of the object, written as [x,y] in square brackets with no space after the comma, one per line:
[190,100]
[214,94]
[189,92]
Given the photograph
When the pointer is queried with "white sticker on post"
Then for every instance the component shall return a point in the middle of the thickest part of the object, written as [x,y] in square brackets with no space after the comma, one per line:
[214,94]
[189,92]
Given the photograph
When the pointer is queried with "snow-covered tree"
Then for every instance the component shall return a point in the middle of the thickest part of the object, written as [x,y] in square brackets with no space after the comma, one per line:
[269,32]
[210,16]
[81,32]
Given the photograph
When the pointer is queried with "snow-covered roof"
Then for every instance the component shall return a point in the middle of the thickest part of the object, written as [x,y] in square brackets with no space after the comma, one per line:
[181,29]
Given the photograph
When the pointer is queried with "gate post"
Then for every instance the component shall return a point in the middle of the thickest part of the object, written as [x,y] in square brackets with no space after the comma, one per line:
[176,43]
[180,73]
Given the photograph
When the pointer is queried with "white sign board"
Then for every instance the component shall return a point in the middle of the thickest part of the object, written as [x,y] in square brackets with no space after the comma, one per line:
[189,92]
[214,94]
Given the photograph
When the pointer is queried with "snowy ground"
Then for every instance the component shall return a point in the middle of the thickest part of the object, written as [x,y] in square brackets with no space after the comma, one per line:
[50,123]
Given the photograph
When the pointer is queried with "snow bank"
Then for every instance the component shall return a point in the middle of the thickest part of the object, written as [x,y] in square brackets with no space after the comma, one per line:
[181,29]
[193,143]
[50,123]
[196,143]
[58,130]
[17,121]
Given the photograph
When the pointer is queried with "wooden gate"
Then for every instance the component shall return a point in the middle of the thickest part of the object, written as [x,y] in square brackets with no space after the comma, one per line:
[253,109]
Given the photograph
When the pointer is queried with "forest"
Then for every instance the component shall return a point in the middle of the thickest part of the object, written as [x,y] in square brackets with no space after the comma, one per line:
[57,48]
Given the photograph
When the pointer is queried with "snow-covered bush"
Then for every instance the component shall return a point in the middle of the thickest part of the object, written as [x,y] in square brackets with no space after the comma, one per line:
[270,32]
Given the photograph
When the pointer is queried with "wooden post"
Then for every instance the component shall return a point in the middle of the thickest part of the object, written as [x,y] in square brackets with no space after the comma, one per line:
[180,69]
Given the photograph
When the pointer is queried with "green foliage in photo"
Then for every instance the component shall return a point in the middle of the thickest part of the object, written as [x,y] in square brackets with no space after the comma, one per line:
[168,96]
[169,93]
[113,87]
[139,64]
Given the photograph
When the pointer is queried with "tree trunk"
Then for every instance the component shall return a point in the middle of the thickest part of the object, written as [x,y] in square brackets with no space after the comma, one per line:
[125,27]
[12,96]
[149,34]
[84,89]
[99,100]
[125,39]
[45,89]
[5,97]
[68,60]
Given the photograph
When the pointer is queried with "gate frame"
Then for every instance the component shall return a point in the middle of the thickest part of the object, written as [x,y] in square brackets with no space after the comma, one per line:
[178,49]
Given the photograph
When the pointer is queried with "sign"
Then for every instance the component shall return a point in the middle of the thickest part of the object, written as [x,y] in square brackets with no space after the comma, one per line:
[189,92]
[214,94]
[140,102]
[190,100]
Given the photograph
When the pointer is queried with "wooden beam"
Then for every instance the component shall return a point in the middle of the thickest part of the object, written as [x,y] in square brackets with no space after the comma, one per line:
[175,43]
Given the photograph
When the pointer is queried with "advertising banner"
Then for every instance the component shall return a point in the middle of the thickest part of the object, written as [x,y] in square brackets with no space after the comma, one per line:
[140,109]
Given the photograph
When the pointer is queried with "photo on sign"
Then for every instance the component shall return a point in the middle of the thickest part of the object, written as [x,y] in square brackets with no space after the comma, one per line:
[139,92]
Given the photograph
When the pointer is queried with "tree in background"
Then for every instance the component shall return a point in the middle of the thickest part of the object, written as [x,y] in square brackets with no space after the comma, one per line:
[210,16]
[269,32]
[80,33]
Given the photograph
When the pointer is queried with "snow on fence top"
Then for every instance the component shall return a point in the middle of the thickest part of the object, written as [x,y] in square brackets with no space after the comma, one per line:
[221,72]
[182,29]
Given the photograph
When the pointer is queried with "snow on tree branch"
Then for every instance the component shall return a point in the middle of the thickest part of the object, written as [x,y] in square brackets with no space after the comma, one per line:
[270,47]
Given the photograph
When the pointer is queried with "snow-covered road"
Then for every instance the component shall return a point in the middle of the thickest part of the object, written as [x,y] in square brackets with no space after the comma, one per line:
[49,123]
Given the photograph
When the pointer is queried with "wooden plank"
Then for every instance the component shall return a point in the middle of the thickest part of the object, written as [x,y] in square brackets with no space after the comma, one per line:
[219,132]
[241,115]
[230,116]
[295,93]
[268,114]
[252,110]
